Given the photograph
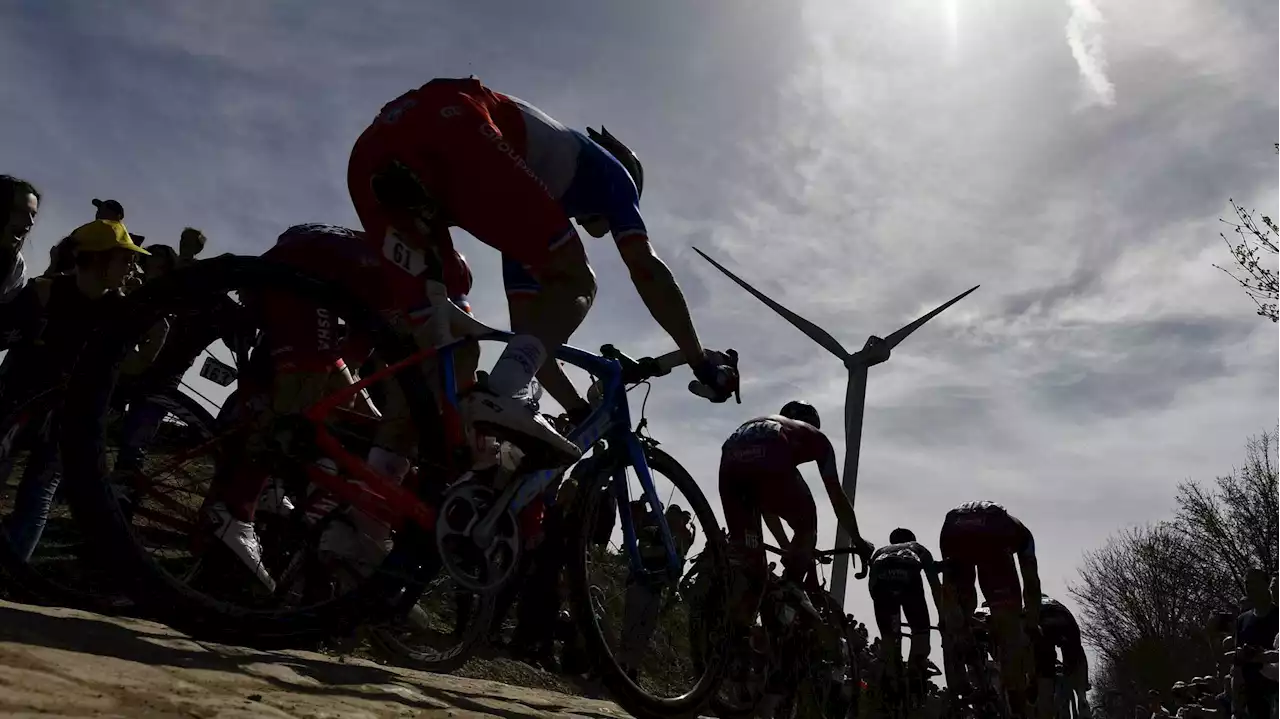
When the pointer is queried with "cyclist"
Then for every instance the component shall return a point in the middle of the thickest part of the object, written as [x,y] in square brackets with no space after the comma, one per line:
[760,479]
[896,589]
[307,361]
[982,539]
[1058,630]
[454,153]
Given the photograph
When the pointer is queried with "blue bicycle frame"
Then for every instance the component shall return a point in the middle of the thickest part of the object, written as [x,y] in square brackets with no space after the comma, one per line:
[610,420]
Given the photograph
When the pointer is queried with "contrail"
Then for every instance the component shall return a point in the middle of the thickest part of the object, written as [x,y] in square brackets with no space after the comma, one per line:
[1084,37]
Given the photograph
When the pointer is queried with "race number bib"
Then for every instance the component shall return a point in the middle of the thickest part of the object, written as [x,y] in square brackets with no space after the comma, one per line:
[401,255]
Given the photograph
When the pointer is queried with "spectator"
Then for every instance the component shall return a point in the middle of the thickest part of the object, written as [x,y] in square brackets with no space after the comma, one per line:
[160,262]
[190,244]
[19,205]
[108,210]
[45,328]
[62,258]
[1254,642]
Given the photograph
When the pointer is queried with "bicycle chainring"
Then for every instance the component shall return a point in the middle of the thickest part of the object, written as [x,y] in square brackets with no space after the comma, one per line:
[481,569]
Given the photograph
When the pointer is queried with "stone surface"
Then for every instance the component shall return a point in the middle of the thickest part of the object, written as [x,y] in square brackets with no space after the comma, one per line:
[66,663]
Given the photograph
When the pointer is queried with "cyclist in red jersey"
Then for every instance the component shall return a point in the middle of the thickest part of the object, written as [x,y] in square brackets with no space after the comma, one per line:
[308,360]
[760,479]
[454,153]
[980,540]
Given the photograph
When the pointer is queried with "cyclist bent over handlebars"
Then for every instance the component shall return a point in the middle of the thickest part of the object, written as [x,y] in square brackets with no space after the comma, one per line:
[980,540]
[760,479]
[896,590]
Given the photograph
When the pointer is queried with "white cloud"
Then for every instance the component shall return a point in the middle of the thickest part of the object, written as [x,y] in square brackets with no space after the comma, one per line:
[1084,37]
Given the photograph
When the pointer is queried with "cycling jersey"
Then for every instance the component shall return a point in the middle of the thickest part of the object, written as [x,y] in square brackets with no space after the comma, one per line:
[897,589]
[758,470]
[1058,629]
[386,275]
[893,562]
[501,169]
[981,538]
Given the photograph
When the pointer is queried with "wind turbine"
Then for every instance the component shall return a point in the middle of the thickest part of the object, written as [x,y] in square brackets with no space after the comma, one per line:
[875,351]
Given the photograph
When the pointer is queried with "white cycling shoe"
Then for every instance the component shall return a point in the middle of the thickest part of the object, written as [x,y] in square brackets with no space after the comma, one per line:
[512,419]
[241,538]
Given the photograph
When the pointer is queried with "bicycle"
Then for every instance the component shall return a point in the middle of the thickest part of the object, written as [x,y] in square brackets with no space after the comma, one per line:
[54,571]
[974,656]
[901,685]
[817,672]
[434,527]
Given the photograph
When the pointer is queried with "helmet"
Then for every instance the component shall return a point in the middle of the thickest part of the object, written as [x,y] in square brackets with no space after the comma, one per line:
[623,154]
[801,412]
[901,535]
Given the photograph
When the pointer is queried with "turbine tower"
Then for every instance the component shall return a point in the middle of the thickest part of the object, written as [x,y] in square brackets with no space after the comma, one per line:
[875,351]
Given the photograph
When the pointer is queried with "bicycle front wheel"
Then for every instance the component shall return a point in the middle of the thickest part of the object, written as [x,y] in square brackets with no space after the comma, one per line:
[162,546]
[660,653]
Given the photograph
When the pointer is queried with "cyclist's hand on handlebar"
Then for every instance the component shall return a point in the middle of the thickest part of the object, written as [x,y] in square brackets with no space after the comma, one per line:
[864,549]
[717,376]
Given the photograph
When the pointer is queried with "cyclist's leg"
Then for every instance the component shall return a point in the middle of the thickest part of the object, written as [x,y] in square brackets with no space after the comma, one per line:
[887,607]
[1075,668]
[959,600]
[522,294]
[916,609]
[998,578]
[788,497]
[1045,659]
[739,496]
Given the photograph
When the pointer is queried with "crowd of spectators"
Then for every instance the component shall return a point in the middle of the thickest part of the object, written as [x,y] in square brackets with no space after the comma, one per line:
[46,320]
[1244,686]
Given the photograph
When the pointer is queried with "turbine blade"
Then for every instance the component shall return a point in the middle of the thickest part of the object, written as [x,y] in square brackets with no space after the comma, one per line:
[814,332]
[893,339]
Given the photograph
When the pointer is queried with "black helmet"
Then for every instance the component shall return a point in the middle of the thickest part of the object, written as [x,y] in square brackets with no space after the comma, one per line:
[623,154]
[801,412]
[901,535]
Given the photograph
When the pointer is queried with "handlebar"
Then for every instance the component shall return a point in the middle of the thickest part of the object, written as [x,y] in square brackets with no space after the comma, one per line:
[637,371]
[825,556]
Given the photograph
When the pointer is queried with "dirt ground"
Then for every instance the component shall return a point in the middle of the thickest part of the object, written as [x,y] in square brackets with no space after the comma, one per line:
[69,663]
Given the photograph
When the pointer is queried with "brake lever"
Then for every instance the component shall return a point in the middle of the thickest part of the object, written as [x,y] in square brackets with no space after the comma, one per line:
[733,360]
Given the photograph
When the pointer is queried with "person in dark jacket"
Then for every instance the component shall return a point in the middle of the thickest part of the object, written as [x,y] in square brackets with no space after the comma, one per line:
[44,329]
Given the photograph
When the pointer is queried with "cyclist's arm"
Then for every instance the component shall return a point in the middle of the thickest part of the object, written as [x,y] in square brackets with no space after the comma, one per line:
[1030,573]
[831,481]
[661,294]
[932,574]
[775,528]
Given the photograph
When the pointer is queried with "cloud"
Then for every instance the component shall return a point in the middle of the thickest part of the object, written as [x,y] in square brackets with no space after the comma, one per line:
[845,161]
[1084,37]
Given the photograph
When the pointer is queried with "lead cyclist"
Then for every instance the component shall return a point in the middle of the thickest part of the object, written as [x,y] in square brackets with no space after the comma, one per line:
[454,153]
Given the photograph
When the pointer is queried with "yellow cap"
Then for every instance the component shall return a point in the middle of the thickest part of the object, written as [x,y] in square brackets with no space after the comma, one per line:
[103,235]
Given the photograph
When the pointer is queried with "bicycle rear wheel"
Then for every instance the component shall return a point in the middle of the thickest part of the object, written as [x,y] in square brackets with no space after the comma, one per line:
[664,670]
[159,580]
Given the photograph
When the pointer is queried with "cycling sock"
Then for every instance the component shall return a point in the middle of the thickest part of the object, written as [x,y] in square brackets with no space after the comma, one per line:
[386,462]
[520,361]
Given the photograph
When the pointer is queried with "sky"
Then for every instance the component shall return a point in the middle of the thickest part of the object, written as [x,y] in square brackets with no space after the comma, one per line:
[860,162]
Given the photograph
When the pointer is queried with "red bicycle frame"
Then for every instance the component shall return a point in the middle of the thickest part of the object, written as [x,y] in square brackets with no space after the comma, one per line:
[358,484]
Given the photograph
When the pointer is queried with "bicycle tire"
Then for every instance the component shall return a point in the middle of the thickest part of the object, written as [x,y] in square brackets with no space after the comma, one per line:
[625,692]
[23,581]
[384,638]
[95,507]
[31,585]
